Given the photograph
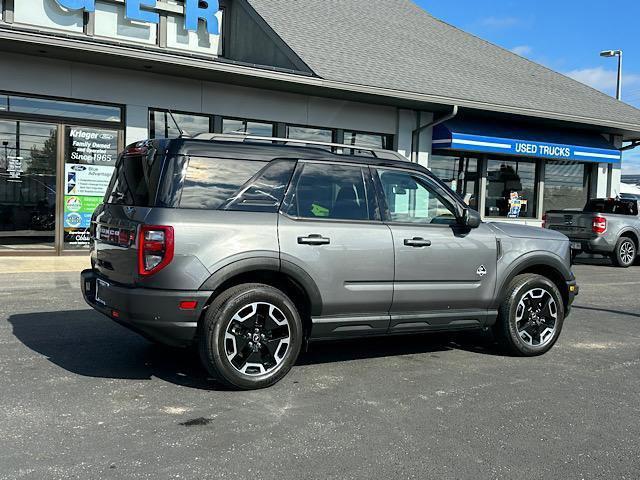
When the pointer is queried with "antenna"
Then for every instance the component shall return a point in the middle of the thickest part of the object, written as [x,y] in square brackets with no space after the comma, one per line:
[182,132]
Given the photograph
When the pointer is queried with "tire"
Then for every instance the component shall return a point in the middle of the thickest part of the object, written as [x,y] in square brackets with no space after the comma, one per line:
[625,252]
[251,336]
[531,316]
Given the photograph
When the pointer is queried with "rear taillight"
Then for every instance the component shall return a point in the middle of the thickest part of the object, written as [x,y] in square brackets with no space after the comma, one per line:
[155,249]
[544,221]
[599,225]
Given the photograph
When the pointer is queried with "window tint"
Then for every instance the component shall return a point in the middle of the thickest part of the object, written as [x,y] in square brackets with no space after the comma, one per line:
[211,182]
[134,181]
[612,206]
[411,200]
[265,193]
[332,191]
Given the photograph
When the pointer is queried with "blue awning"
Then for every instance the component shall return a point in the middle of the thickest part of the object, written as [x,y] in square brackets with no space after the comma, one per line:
[515,139]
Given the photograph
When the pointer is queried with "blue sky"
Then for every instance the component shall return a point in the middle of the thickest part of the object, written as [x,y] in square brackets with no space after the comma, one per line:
[565,35]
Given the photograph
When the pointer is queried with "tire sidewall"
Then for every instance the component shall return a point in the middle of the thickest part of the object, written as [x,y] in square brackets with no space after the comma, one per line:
[618,255]
[216,342]
[532,283]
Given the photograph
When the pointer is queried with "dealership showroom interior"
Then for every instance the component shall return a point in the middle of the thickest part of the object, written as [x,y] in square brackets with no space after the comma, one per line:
[78,84]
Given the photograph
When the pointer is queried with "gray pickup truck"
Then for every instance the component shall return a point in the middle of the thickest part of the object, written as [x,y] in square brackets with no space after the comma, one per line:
[608,226]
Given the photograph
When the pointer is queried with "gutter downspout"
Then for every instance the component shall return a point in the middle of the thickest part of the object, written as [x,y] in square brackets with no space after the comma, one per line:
[415,135]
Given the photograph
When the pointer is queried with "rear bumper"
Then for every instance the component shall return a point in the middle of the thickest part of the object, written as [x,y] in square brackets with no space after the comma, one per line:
[155,314]
[594,245]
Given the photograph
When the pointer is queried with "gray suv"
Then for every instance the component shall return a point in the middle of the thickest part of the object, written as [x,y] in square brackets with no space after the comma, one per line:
[250,249]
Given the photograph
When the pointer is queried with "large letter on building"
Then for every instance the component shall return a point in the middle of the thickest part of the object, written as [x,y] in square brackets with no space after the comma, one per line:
[193,12]
[134,12]
[88,5]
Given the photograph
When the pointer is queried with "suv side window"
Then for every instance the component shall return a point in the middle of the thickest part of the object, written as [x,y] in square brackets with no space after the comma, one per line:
[331,191]
[410,199]
[210,182]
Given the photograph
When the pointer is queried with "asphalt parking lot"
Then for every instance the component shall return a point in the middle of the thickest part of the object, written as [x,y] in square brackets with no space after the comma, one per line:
[84,398]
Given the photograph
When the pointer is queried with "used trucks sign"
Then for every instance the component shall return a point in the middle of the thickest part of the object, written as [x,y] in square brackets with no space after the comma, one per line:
[194,10]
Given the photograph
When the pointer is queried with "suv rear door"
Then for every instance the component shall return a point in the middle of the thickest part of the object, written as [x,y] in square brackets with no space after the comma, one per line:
[330,227]
[130,196]
[445,274]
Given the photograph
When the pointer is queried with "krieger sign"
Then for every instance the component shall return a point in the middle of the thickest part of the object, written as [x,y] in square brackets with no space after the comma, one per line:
[194,10]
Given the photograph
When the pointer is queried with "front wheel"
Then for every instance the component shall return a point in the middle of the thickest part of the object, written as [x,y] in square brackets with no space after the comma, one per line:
[625,252]
[251,336]
[531,316]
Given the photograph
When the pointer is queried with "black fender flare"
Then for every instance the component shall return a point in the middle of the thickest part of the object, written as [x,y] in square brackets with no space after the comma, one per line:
[271,264]
[532,259]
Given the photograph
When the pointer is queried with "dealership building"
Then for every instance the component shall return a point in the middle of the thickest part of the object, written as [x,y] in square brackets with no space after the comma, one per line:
[80,79]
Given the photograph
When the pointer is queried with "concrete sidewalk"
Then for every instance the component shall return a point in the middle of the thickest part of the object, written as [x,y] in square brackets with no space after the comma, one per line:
[43,264]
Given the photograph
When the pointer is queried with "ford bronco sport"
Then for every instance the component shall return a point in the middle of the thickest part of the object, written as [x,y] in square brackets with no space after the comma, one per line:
[249,250]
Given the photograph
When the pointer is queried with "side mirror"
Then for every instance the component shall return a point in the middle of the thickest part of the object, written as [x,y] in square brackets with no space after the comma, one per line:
[471,218]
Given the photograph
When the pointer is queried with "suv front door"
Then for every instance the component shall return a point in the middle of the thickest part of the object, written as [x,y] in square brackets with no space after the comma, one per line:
[445,273]
[330,228]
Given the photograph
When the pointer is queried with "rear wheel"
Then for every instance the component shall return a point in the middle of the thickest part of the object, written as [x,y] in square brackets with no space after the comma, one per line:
[251,336]
[530,318]
[625,252]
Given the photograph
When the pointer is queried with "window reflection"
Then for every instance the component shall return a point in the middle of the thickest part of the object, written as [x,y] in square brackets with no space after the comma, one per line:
[511,186]
[27,185]
[460,174]
[163,125]
[566,185]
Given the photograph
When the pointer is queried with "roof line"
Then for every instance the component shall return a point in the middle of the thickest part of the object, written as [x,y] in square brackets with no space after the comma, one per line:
[41,39]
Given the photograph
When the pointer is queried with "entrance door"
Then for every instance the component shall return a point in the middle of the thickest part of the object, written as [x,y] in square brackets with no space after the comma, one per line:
[90,156]
[445,274]
[28,159]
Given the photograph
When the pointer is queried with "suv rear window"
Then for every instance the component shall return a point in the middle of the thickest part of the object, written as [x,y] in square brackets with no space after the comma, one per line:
[613,206]
[135,180]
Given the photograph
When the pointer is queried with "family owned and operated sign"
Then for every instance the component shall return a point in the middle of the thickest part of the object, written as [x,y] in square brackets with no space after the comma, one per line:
[194,11]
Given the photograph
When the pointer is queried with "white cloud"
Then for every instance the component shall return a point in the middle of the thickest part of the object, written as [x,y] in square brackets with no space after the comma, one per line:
[631,162]
[602,79]
[522,50]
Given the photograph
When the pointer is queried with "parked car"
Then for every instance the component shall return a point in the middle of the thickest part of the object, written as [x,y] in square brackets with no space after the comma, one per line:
[609,226]
[251,250]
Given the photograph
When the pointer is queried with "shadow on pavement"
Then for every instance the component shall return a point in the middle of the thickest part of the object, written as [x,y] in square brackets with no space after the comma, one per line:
[85,343]
[607,310]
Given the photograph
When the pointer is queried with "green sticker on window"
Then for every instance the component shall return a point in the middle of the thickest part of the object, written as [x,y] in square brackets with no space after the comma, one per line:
[319,211]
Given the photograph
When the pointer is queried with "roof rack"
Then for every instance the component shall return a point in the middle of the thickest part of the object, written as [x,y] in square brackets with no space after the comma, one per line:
[243,137]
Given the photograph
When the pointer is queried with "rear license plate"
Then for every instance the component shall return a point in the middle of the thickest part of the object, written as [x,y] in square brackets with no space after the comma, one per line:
[576,246]
[101,285]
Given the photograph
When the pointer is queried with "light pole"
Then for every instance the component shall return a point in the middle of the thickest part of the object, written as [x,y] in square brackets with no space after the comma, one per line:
[616,53]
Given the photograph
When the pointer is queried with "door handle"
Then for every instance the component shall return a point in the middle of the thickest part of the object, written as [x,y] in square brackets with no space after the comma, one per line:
[417,242]
[314,239]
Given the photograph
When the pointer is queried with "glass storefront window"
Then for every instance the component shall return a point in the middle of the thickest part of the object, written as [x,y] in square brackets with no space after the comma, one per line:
[48,14]
[59,108]
[310,133]
[262,129]
[460,173]
[163,126]
[111,22]
[200,41]
[511,188]
[28,153]
[90,157]
[373,140]
[566,185]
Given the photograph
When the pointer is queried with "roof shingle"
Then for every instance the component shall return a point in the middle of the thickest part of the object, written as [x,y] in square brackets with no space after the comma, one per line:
[394,44]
